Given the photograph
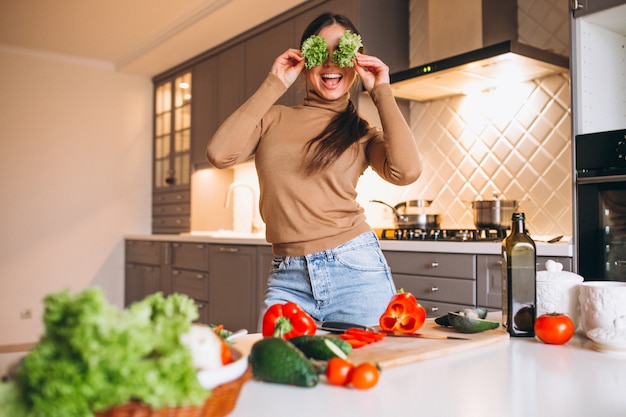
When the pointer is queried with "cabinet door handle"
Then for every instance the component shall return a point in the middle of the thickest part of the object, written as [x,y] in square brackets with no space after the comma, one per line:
[200,276]
[576,4]
[434,289]
[434,264]
[223,249]
[434,309]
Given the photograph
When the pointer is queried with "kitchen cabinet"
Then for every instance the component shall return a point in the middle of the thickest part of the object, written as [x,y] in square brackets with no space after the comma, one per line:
[585,7]
[142,270]
[489,277]
[233,298]
[189,274]
[261,51]
[598,33]
[265,261]
[204,107]
[172,154]
[441,282]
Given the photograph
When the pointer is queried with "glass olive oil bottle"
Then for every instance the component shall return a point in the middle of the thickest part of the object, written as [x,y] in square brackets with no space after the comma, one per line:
[519,270]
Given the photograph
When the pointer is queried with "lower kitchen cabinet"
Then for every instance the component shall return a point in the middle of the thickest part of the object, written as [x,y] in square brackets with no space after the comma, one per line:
[489,273]
[189,274]
[232,287]
[441,282]
[143,269]
[265,260]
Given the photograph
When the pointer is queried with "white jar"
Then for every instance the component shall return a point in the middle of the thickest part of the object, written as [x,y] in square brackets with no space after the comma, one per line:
[557,291]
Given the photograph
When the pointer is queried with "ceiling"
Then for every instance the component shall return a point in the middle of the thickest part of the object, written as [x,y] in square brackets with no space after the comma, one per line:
[144,37]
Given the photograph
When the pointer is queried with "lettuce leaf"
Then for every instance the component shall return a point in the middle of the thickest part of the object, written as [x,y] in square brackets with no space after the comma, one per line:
[93,356]
[349,44]
[315,51]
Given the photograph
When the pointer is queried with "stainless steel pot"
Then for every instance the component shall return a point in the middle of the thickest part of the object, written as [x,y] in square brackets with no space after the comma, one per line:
[416,219]
[493,214]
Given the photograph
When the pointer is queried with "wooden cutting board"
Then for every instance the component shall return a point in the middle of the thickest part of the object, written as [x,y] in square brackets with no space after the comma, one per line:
[394,351]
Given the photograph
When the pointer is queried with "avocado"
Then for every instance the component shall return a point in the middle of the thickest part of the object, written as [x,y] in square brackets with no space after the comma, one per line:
[464,324]
[317,346]
[277,360]
[443,320]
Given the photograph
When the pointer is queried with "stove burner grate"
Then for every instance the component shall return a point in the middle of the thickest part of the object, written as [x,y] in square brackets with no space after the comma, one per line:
[445,235]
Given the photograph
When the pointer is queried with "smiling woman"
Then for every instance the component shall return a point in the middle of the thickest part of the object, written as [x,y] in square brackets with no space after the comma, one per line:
[309,159]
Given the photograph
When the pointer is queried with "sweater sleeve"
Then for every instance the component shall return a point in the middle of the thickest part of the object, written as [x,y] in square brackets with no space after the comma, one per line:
[392,153]
[236,139]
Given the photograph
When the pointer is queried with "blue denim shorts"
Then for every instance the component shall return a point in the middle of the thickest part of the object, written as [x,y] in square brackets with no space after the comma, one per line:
[351,282]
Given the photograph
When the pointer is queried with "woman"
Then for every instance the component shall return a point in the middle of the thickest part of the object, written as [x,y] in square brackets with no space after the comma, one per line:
[308,160]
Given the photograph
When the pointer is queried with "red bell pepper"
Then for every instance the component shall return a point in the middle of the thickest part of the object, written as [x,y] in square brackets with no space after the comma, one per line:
[286,321]
[403,314]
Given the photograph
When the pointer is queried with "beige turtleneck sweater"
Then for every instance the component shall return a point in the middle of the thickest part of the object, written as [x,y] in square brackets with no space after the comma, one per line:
[307,214]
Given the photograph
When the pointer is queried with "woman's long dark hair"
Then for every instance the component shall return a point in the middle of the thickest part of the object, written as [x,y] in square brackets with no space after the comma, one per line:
[345,128]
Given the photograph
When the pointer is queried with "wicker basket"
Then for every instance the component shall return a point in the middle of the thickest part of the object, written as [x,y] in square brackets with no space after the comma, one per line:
[221,402]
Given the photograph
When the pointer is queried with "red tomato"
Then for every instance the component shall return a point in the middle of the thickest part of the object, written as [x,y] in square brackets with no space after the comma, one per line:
[364,376]
[339,371]
[554,328]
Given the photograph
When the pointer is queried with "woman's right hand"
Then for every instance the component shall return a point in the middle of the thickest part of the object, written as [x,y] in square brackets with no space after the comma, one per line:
[288,66]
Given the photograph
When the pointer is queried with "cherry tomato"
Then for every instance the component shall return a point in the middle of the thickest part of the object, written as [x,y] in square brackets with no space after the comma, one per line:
[339,371]
[554,328]
[364,376]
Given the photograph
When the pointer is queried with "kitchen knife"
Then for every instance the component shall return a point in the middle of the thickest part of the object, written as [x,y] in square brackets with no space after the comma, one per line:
[420,335]
[340,326]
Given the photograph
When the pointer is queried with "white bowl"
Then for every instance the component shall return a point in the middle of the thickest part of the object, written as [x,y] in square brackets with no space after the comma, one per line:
[211,378]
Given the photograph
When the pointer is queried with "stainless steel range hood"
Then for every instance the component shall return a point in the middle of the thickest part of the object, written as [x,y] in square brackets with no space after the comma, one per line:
[503,61]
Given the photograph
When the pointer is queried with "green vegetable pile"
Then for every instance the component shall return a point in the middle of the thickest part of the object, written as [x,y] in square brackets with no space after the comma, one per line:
[93,356]
[315,50]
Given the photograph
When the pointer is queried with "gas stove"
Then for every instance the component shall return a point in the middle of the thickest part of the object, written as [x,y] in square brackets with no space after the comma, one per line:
[445,235]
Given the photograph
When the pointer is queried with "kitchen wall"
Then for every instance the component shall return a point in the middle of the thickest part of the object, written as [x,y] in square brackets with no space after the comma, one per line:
[75,164]
[515,142]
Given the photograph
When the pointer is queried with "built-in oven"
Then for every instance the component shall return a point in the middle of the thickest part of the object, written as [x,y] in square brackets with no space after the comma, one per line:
[600,212]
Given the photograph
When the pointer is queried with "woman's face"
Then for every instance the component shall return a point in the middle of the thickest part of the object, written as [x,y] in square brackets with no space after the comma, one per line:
[329,80]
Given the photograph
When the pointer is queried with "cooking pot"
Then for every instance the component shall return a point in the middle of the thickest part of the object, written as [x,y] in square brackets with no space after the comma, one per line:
[409,215]
[493,214]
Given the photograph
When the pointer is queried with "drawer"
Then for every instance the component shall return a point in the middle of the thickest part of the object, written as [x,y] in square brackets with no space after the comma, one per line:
[192,283]
[170,210]
[449,290]
[143,252]
[436,308]
[190,256]
[450,265]
[170,197]
[203,312]
[170,222]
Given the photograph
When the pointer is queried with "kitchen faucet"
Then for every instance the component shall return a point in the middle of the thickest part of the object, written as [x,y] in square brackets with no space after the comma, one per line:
[255,226]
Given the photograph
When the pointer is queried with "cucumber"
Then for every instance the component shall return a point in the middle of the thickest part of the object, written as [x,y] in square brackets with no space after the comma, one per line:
[322,347]
[465,324]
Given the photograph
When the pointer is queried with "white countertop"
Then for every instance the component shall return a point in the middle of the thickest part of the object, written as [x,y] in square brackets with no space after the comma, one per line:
[559,249]
[518,378]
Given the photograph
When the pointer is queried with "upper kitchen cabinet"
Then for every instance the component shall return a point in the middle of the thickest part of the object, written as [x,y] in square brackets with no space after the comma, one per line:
[204,108]
[172,154]
[598,66]
[262,50]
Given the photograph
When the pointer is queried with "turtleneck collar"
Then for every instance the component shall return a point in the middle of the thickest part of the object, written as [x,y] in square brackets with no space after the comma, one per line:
[315,100]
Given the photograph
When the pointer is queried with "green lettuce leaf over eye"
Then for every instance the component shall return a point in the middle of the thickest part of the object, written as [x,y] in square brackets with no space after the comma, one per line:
[315,51]
[349,44]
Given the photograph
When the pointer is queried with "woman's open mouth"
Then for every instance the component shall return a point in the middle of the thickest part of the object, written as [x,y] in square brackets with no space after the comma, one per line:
[331,80]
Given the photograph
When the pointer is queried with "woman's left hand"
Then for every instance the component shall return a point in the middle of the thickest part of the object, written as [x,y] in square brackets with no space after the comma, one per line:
[372,71]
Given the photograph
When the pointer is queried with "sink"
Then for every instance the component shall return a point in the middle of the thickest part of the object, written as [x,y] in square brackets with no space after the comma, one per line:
[226,234]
